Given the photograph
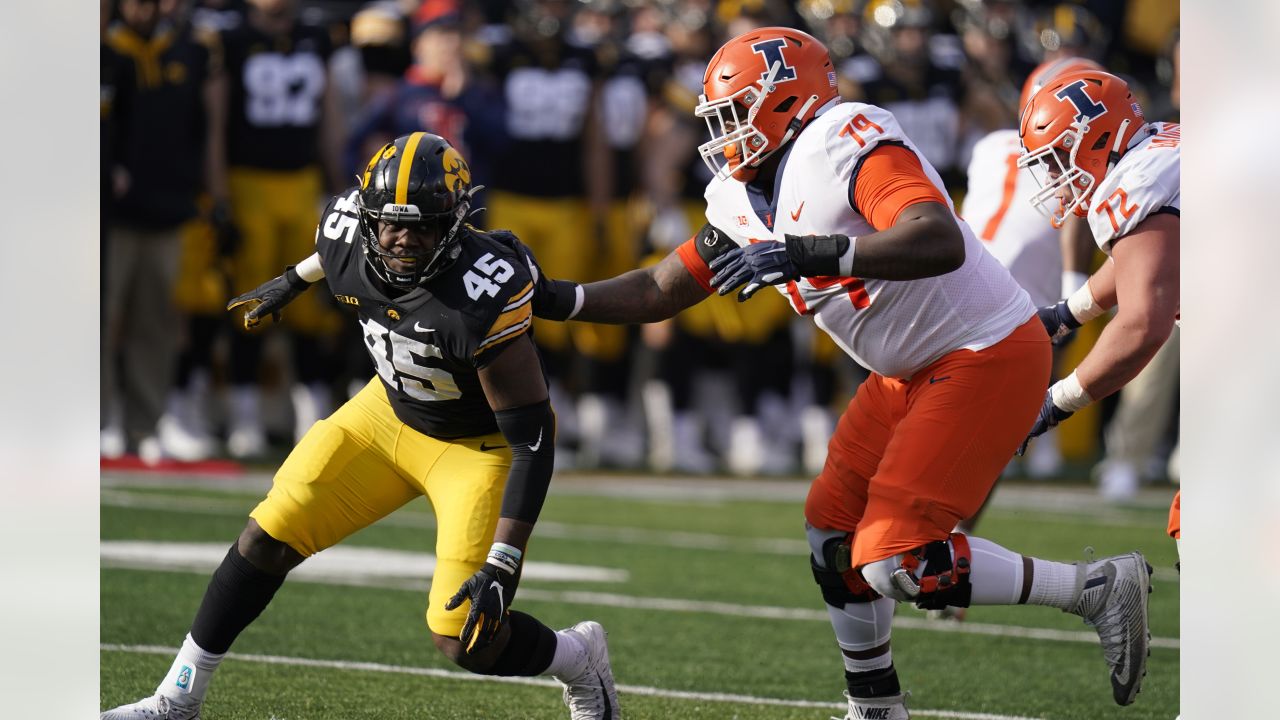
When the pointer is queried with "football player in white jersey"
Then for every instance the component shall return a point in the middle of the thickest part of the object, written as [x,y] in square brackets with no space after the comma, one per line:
[1098,158]
[833,205]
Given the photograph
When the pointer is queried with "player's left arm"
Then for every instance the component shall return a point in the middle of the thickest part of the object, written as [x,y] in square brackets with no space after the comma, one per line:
[517,392]
[916,234]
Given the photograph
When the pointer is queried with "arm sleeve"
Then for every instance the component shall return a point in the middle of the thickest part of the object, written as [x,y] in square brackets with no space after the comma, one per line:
[530,431]
[698,251]
[887,181]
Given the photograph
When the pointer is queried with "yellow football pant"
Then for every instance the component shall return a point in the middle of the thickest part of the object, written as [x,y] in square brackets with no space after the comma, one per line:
[361,464]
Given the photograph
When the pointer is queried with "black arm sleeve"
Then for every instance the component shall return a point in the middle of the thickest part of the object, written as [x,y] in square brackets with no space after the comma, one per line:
[531,432]
[817,255]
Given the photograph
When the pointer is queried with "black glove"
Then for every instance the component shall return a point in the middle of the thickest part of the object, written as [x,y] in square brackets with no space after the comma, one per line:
[1058,322]
[225,233]
[1050,416]
[490,591]
[270,297]
[757,265]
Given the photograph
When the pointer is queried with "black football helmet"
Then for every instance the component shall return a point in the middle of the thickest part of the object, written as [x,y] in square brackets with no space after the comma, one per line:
[417,180]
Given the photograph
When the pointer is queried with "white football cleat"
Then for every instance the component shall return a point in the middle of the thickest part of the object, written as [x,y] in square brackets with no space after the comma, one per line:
[591,695]
[1112,598]
[891,707]
[156,707]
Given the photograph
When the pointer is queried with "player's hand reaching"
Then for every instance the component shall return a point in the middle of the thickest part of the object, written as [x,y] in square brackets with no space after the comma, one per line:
[1050,416]
[270,297]
[756,265]
[490,591]
[1059,322]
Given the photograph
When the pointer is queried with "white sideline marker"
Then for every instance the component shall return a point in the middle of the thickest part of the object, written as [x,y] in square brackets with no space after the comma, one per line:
[543,682]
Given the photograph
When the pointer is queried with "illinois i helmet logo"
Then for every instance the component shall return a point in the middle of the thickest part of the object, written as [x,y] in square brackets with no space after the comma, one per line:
[457,176]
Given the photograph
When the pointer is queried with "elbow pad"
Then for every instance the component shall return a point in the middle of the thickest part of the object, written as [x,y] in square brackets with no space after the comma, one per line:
[531,432]
[821,255]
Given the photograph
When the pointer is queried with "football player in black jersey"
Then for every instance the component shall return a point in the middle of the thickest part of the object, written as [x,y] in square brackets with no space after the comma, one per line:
[458,412]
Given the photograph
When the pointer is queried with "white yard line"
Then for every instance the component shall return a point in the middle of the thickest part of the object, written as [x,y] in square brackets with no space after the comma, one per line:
[547,529]
[361,567]
[543,682]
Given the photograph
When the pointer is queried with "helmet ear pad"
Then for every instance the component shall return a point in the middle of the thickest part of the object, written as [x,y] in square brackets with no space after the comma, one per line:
[419,179]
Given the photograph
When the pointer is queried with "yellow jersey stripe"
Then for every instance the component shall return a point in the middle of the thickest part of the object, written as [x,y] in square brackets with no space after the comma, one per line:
[511,332]
[406,163]
[509,318]
[520,298]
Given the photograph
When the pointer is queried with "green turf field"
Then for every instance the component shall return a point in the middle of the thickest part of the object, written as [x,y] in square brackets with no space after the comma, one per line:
[704,588]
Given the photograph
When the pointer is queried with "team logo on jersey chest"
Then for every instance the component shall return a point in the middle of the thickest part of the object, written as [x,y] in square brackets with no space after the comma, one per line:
[393,314]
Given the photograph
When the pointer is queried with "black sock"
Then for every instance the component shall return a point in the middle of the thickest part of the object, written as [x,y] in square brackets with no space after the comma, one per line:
[873,683]
[530,650]
[237,594]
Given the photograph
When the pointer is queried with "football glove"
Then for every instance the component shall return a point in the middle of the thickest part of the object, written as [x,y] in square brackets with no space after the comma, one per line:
[270,297]
[490,591]
[756,265]
[1058,322]
[1050,416]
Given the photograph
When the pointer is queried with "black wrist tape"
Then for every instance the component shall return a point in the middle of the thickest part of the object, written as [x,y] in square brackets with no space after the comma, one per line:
[817,255]
[294,279]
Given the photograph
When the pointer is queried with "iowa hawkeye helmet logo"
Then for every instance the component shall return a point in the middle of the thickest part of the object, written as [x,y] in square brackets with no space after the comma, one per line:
[457,176]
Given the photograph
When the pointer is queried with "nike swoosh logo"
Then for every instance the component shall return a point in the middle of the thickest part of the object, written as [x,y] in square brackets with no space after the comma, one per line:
[796,215]
[495,585]
[417,327]
[487,448]
[604,695]
[936,379]
[534,447]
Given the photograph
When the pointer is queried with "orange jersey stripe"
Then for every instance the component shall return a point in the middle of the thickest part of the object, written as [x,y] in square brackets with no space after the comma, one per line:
[1010,185]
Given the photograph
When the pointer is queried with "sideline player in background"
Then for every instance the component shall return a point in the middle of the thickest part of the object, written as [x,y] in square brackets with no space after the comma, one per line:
[875,254]
[458,413]
[283,139]
[1096,157]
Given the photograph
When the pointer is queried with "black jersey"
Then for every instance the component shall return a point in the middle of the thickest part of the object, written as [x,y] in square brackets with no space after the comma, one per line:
[428,344]
[277,87]
[161,120]
[547,92]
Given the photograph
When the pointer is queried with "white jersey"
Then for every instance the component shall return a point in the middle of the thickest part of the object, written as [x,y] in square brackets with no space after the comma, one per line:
[1146,181]
[998,209]
[894,328]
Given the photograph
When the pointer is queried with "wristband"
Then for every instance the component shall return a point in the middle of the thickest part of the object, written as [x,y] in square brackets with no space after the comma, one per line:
[1069,395]
[1082,305]
[505,556]
[310,269]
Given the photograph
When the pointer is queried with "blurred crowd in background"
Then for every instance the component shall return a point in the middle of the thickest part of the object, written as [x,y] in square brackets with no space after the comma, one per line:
[226,125]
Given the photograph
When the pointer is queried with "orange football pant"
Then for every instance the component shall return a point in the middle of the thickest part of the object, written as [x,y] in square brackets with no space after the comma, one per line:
[1175,517]
[911,458]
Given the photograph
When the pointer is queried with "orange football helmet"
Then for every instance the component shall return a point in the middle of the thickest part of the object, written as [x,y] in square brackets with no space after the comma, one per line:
[1047,71]
[1073,131]
[759,90]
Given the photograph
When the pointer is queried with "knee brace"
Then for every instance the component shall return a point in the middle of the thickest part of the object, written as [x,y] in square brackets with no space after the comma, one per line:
[934,575]
[840,583]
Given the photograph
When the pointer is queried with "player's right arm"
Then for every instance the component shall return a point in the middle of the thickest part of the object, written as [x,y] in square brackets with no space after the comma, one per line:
[270,297]
[680,280]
